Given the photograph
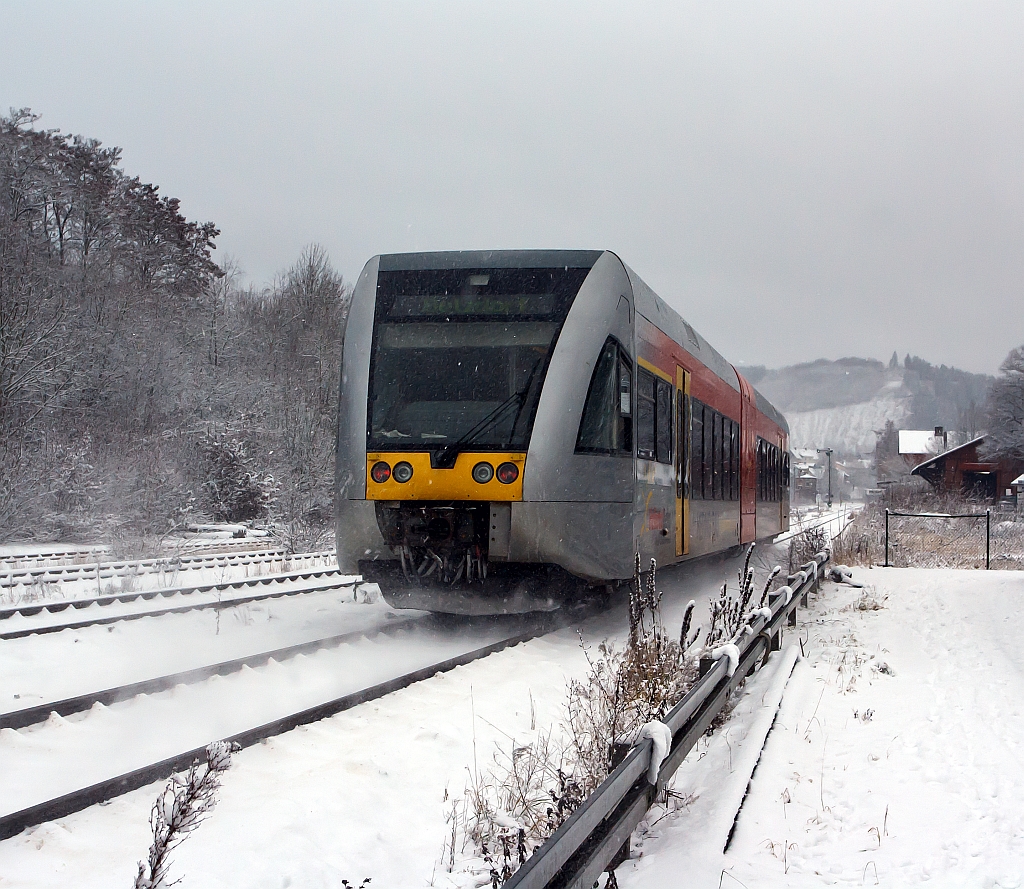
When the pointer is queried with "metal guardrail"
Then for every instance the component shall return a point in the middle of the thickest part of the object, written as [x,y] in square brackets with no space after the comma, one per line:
[590,840]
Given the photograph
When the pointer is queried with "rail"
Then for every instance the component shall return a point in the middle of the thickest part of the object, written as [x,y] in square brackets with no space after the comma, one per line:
[12,576]
[75,801]
[589,842]
[283,585]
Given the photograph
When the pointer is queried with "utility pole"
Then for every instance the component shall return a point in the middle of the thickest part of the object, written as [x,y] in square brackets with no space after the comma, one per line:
[828,453]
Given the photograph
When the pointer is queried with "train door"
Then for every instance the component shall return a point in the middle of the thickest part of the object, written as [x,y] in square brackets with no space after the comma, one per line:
[748,462]
[682,461]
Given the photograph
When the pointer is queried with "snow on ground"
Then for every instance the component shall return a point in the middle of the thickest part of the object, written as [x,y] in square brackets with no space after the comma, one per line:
[895,759]
[363,793]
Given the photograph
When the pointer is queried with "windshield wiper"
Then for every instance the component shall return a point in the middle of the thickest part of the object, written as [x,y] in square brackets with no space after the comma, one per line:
[445,457]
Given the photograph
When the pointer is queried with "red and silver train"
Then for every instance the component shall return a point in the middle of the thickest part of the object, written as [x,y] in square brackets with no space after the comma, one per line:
[514,426]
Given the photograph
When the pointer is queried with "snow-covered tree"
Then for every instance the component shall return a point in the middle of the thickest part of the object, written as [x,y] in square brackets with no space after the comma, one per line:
[1006,409]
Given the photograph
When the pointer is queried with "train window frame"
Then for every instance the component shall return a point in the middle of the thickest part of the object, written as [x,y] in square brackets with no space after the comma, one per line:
[611,398]
[508,296]
[772,471]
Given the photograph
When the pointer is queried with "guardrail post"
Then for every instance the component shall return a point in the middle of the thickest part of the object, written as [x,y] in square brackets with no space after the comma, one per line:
[777,636]
[886,538]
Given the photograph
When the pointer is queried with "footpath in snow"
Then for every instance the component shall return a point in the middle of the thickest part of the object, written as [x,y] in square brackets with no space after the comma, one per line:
[894,759]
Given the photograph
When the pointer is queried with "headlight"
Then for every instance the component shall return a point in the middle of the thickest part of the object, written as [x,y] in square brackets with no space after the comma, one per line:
[483,473]
[402,472]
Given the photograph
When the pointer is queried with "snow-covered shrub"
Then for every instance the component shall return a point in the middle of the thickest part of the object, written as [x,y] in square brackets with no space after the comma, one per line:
[629,687]
[731,611]
[304,533]
[805,546]
[533,787]
[234,491]
[182,806]
[520,801]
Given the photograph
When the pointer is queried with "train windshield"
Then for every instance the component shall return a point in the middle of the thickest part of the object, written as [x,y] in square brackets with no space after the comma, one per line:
[459,355]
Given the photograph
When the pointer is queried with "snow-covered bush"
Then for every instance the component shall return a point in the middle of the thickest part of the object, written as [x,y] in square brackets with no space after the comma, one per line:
[805,546]
[234,491]
[535,785]
[520,801]
[628,687]
[182,806]
[731,612]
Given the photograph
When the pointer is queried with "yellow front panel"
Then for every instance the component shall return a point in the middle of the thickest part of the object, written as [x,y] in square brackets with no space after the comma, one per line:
[444,484]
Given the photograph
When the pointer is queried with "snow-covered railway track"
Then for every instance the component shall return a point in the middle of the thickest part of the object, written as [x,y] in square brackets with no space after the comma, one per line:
[15,558]
[43,575]
[32,715]
[290,584]
[461,649]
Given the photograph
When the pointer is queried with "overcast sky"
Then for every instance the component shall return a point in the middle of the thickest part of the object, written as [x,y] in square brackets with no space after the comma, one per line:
[799,180]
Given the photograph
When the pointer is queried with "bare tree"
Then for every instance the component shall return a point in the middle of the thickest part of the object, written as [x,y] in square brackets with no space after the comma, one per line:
[315,300]
[971,420]
[1005,409]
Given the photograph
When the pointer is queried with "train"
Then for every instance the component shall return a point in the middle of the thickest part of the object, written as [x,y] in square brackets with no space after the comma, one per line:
[514,427]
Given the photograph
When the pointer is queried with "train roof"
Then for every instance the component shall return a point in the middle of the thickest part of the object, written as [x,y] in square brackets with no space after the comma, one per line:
[493,259]
[647,302]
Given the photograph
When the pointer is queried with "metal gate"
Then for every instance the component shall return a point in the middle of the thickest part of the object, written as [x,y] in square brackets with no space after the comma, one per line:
[937,540]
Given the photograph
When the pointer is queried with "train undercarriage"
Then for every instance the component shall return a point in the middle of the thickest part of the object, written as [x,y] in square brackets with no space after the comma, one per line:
[441,564]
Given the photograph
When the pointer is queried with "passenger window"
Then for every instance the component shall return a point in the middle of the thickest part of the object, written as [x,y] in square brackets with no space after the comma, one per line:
[726,464]
[735,437]
[663,420]
[720,484]
[760,469]
[696,450]
[605,425]
[709,453]
[645,413]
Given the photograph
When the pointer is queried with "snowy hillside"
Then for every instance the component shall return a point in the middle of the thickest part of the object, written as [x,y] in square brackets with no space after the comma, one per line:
[851,428]
[842,404]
